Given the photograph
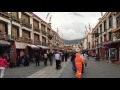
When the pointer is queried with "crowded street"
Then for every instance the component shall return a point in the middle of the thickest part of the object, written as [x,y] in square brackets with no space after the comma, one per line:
[95,69]
[59,44]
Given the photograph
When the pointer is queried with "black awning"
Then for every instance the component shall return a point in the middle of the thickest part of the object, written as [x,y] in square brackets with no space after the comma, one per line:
[43,47]
[33,46]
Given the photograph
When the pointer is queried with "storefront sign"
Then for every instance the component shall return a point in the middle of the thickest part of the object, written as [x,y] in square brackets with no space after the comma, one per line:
[20,45]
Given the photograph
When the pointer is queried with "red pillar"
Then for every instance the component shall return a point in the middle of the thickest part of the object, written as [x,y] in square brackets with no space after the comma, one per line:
[103,54]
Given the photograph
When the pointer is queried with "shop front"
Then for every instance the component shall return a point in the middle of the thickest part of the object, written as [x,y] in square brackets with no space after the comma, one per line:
[43,49]
[112,50]
[4,49]
[31,50]
[100,51]
[20,51]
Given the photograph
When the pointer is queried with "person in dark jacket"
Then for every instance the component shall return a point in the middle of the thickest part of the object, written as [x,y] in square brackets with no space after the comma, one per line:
[73,61]
[50,57]
[37,59]
[26,60]
[66,56]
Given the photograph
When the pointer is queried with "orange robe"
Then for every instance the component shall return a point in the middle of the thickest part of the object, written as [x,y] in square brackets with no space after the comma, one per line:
[78,63]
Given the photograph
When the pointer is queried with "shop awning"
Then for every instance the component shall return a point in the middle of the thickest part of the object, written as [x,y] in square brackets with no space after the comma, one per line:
[43,47]
[2,42]
[20,45]
[33,46]
[107,43]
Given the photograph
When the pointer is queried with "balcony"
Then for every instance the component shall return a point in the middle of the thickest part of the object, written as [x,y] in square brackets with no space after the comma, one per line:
[117,34]
[16,19]
[50,36]
[26,24]
[44,32]
[4,37]
[25,40]
[5,15]
[44,44]
[37,42]
[36,29]
[16,38]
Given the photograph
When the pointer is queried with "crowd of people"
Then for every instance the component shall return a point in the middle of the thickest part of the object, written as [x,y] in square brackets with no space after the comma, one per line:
[24,59]
[78,61]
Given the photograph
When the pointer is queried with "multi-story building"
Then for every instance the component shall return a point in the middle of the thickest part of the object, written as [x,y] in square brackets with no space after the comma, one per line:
[87,42]
[73,47]
[19,30]
[106,37]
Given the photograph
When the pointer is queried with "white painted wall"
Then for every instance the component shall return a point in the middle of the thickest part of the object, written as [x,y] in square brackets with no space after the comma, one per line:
[85,44]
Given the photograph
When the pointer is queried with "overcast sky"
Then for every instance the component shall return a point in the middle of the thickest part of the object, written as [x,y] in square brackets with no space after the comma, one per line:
[71,25]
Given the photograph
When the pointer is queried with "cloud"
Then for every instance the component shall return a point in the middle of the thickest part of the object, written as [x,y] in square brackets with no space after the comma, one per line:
[71,25]
[77,14]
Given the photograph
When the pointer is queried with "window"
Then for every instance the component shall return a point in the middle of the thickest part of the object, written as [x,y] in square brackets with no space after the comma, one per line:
[110,21]
[14,14]
[35,24]
[26,33]
[105,26]
[89,45]
[43,27]
[14,31]
[101,39]
[25,18]
[48,30]
[43,40]
[3,27]
[118,21]
[105,39]
[110,36]
[101,28]
[96,33]
[36,37]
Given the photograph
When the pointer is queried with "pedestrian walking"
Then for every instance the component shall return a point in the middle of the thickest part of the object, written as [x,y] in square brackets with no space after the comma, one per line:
[62,56]
[45,58]
[26,60]
[50,55]
[73,61]
[37,59]
[3,65]
[66,56]
[57,58]
[78,63]
[85,57]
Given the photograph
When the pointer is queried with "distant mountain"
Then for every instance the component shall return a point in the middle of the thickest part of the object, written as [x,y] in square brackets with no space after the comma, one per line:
[76,41]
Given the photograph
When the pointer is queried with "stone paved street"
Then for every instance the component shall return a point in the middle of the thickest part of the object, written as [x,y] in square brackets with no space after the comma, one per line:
[101,69]
[49,71]
[23,72]
[95,69]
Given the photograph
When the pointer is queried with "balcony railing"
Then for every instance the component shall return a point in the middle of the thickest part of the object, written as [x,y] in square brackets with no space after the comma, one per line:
[16,19]
[26,24]
[44,44]
[36,29]
[50,36]
[16,38]
[25,40]
[44,32]
[37,42]
[5,37]
[5,14]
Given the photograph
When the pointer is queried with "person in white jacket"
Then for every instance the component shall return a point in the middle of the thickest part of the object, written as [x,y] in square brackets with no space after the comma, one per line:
[57,58]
